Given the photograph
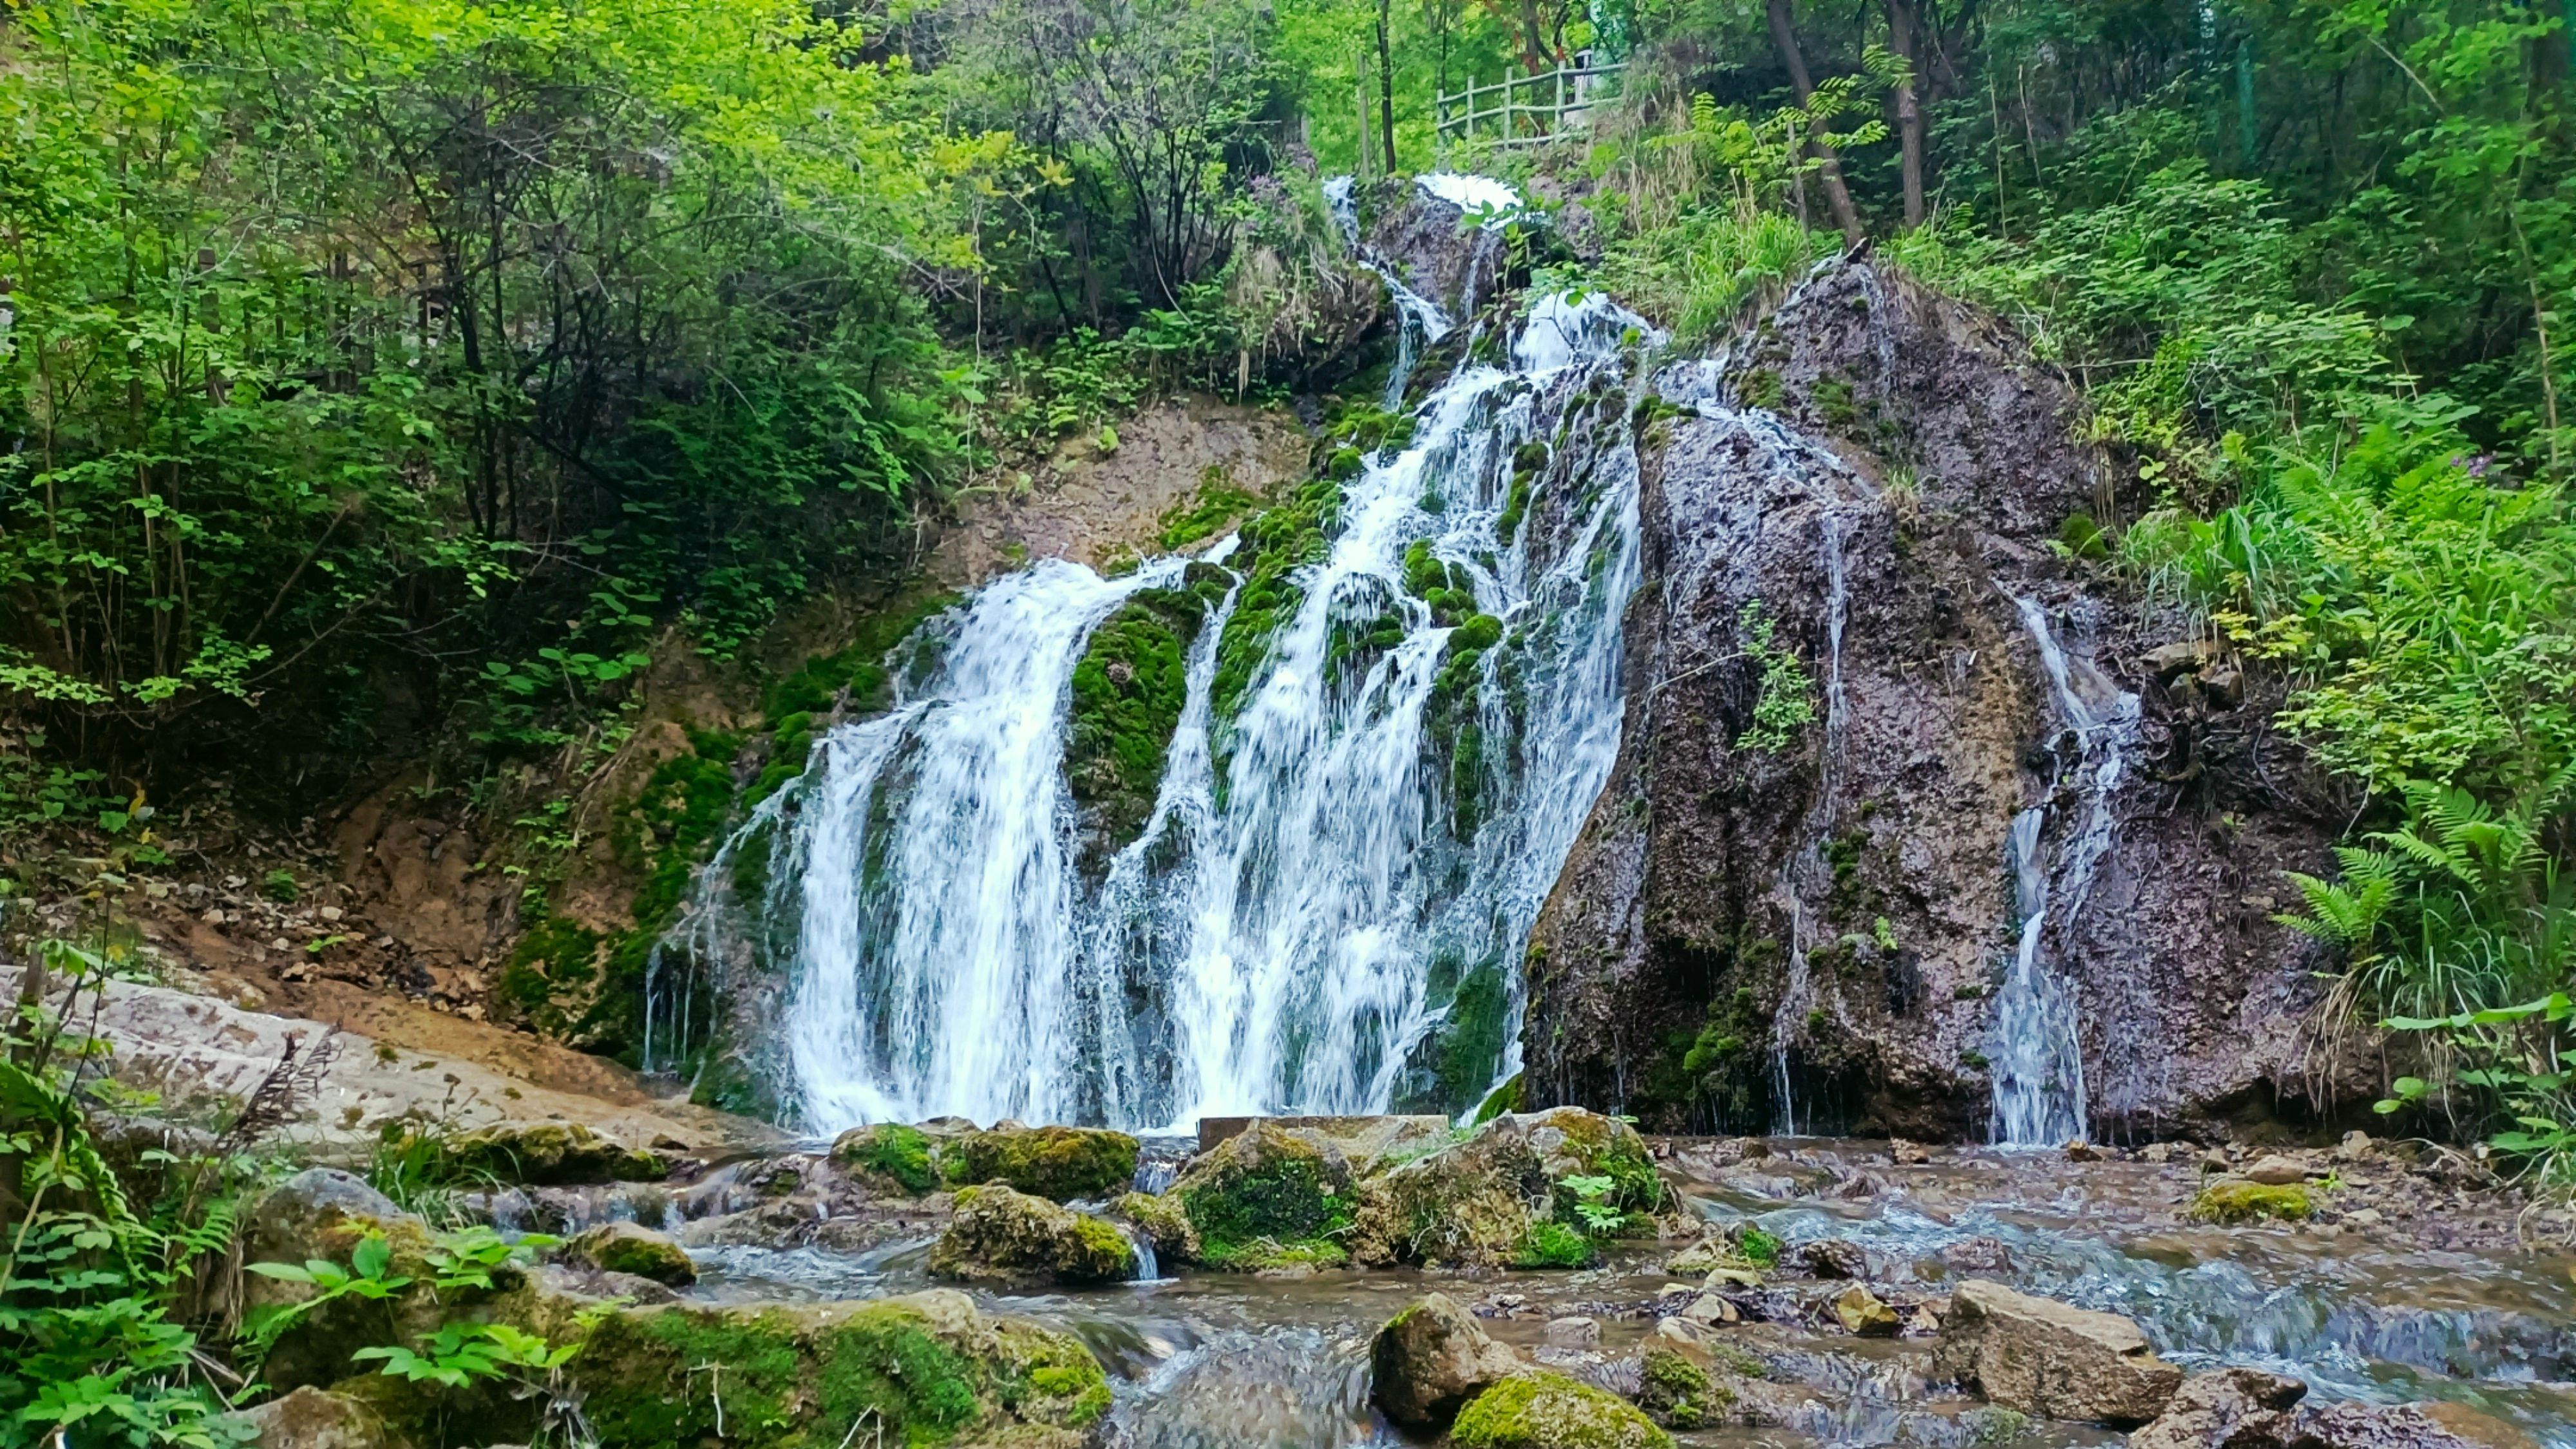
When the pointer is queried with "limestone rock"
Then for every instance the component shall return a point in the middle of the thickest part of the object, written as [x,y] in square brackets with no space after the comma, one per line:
[311,1418]
[890,1157]
[2275,1170]
[801,1375]
[1574,1331]
[548,1154]
[2232,1408]
[1163,1221]
[1706,1256]
[1062,1163]
[2050,1359]
[2236,1200]
[1835,1258]
[1675,1389]
[324,1213]
[1430,1359]
[1543,1410]
[638,1250]
[1861,1312]
[1493,1200]
[1000,1235]
[1266,1198]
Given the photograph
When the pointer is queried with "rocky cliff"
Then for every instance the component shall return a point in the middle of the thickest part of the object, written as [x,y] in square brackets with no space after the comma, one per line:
[1770,922]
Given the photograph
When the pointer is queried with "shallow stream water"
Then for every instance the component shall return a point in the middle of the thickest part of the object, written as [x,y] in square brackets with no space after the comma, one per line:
[2384,1314]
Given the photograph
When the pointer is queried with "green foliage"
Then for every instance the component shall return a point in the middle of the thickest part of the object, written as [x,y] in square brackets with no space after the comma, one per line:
[356,342]
[1592,1203]
[1785,705]
[1551,1244]
[96,1287]
[1757,1247]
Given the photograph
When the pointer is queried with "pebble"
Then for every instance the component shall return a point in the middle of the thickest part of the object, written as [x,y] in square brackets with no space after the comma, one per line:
[2276,1170]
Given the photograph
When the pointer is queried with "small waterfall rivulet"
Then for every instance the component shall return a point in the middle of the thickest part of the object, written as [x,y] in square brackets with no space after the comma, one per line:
[1355,854]
[2038,1059]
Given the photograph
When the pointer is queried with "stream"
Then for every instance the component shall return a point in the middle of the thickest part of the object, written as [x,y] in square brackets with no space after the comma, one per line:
[1210,1359]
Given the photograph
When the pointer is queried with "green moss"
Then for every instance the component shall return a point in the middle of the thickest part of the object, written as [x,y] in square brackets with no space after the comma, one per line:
[1198,517]
[1833,399]
[788,1379]
[890,1150]
[550,970]
[1555,1245]
[1128,690]
[1265,1198]
[1678,1393]
[1757,1247]
[1760,388]
[1061,1163]
[1275,544]
[1455,1061]
[858,667]
[1542,1410]
[1505,1098]
[2238,1201]
[545,1154]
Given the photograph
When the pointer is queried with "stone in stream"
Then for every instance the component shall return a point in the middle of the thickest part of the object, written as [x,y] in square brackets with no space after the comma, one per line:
[1000,1235]
[2275,1170]
[1495,1200]
[1430,1359]
[2050,1359]
[1544,1410]
[1675,1390]
[1861,1312]
[1835,1258]
[2236,1200]
[1062,1163]
[1573,1331]
[634,1248]
[1268,1197]
[2240,1408]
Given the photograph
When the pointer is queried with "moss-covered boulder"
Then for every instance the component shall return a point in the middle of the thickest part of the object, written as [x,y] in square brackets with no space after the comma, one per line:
[2238,1200]
[890,1157]
[1062,1163]
[1512,1195]
[634,1248]
[311,1418]
[1429,1360]
[1163,1221]
[1541,1410]
[328,1215]
[547,1154]
[1676,1390]
[1269,1197]
[1002,1236]
[926,1369]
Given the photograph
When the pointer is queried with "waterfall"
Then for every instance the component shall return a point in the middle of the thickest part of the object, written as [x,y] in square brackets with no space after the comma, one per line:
[1321,874]
[2038,1058]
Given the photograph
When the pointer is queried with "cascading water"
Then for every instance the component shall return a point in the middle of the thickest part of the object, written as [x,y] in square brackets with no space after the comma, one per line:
[1308,901]
[2038,1061]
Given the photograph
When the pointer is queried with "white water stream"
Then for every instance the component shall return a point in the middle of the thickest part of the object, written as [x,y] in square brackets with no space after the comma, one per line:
[2038,1058]
[1282,938]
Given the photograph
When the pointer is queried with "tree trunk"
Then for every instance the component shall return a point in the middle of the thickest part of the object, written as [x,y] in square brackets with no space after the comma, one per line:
[1904,37]
[1785,36]
[1385,86]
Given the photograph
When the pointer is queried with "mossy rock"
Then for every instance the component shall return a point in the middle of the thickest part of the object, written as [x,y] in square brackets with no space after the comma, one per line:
[1006,1237]
[547,1154]
[1676,1392]
[927,1369]
[890,1154]
[1127,693]
[1479,1203]
[634,1248]
[1163,1221]
[1541,1410]
[1268,1197]
[2235,1201]
[1062,1163]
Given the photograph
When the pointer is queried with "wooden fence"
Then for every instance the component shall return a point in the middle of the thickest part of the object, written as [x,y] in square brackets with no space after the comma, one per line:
[1524,110]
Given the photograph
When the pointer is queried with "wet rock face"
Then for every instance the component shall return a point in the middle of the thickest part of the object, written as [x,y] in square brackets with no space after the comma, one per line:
[1883,467]
[2051,1360]
[1418,236]
[1430,1359]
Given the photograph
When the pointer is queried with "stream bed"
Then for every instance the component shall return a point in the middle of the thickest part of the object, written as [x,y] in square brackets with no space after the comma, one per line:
[2404,1289]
